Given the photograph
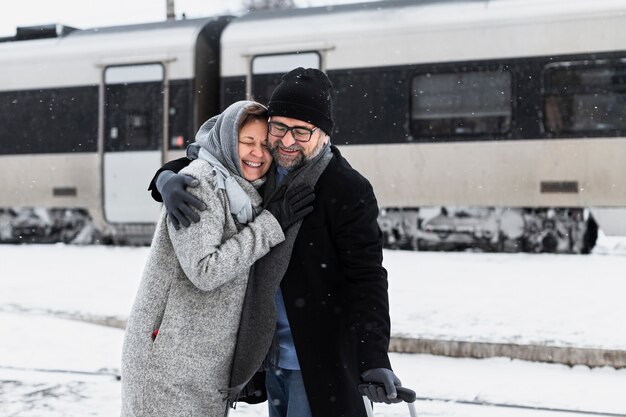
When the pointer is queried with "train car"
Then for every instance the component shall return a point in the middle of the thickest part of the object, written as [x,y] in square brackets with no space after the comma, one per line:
[87,115]
[496,124]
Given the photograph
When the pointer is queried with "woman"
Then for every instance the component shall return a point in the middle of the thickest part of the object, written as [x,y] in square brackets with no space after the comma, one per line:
[183,326]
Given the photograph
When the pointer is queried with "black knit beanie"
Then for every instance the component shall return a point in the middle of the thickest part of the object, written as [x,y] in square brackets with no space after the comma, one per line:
[304,94]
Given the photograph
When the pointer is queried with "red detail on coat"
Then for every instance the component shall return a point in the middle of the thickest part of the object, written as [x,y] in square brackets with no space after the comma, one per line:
[154,334]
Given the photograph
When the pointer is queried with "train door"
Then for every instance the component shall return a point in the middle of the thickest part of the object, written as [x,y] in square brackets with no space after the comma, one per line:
[133,141]
[267,71]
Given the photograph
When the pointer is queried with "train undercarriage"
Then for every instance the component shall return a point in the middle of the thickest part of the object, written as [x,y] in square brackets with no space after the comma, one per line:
[534,230]
[41,225]
[64,225]
[434,228]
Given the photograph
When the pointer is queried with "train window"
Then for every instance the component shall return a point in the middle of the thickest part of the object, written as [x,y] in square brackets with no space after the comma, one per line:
[272,64]
[267,71]
[584,99]
[135,120]
[49,121]
[461,103]
[133,108]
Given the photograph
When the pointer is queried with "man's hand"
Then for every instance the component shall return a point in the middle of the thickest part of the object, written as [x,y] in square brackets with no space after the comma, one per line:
[296,203]
[177,200]
[382,385]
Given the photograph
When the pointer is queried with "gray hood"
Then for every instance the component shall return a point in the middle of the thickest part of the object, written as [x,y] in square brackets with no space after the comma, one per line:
[219,136]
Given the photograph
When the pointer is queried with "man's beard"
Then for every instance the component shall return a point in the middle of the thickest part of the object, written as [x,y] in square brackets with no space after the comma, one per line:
[299,161]
[290,164]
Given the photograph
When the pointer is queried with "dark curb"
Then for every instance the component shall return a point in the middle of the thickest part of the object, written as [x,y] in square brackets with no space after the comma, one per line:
[536,353]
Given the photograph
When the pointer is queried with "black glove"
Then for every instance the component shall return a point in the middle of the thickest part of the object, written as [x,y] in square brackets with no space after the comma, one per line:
[177,200]
[382,387]
[296,203]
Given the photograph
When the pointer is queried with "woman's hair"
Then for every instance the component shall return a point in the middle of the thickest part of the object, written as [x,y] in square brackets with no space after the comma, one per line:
[253,111]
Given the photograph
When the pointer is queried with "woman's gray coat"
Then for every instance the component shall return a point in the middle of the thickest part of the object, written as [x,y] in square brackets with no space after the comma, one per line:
[192,291]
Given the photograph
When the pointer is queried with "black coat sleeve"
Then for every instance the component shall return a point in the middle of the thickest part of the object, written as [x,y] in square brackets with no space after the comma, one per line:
[359,243]
[175,165]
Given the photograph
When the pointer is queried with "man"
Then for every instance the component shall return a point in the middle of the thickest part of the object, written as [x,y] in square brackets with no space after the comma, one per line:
[332,313]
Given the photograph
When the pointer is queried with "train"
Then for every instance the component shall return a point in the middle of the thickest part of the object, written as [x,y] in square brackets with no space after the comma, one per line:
[490,124]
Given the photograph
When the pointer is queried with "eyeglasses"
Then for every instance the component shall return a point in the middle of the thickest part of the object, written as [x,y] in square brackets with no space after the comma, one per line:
[299,133]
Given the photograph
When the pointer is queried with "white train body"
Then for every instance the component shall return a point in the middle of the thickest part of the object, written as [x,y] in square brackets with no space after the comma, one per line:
[498,123]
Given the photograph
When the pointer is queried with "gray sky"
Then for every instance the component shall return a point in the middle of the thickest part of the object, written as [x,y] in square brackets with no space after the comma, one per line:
[86,14]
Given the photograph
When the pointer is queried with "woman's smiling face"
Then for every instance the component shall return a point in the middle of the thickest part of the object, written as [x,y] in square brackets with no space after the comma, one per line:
[254,155]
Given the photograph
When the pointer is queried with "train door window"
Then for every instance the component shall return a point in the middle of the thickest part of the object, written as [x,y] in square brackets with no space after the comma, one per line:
[267,71]
[461,104]
[584,99]
[133,108]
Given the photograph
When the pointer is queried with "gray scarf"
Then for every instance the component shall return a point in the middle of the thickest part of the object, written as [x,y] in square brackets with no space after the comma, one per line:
[258,317]
[218,141]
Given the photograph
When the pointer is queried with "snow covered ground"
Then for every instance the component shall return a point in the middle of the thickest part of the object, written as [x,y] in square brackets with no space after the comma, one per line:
[515,298]
[35,348]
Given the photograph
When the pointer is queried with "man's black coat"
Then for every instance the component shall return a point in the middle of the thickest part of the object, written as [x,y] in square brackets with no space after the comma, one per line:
[335,290]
